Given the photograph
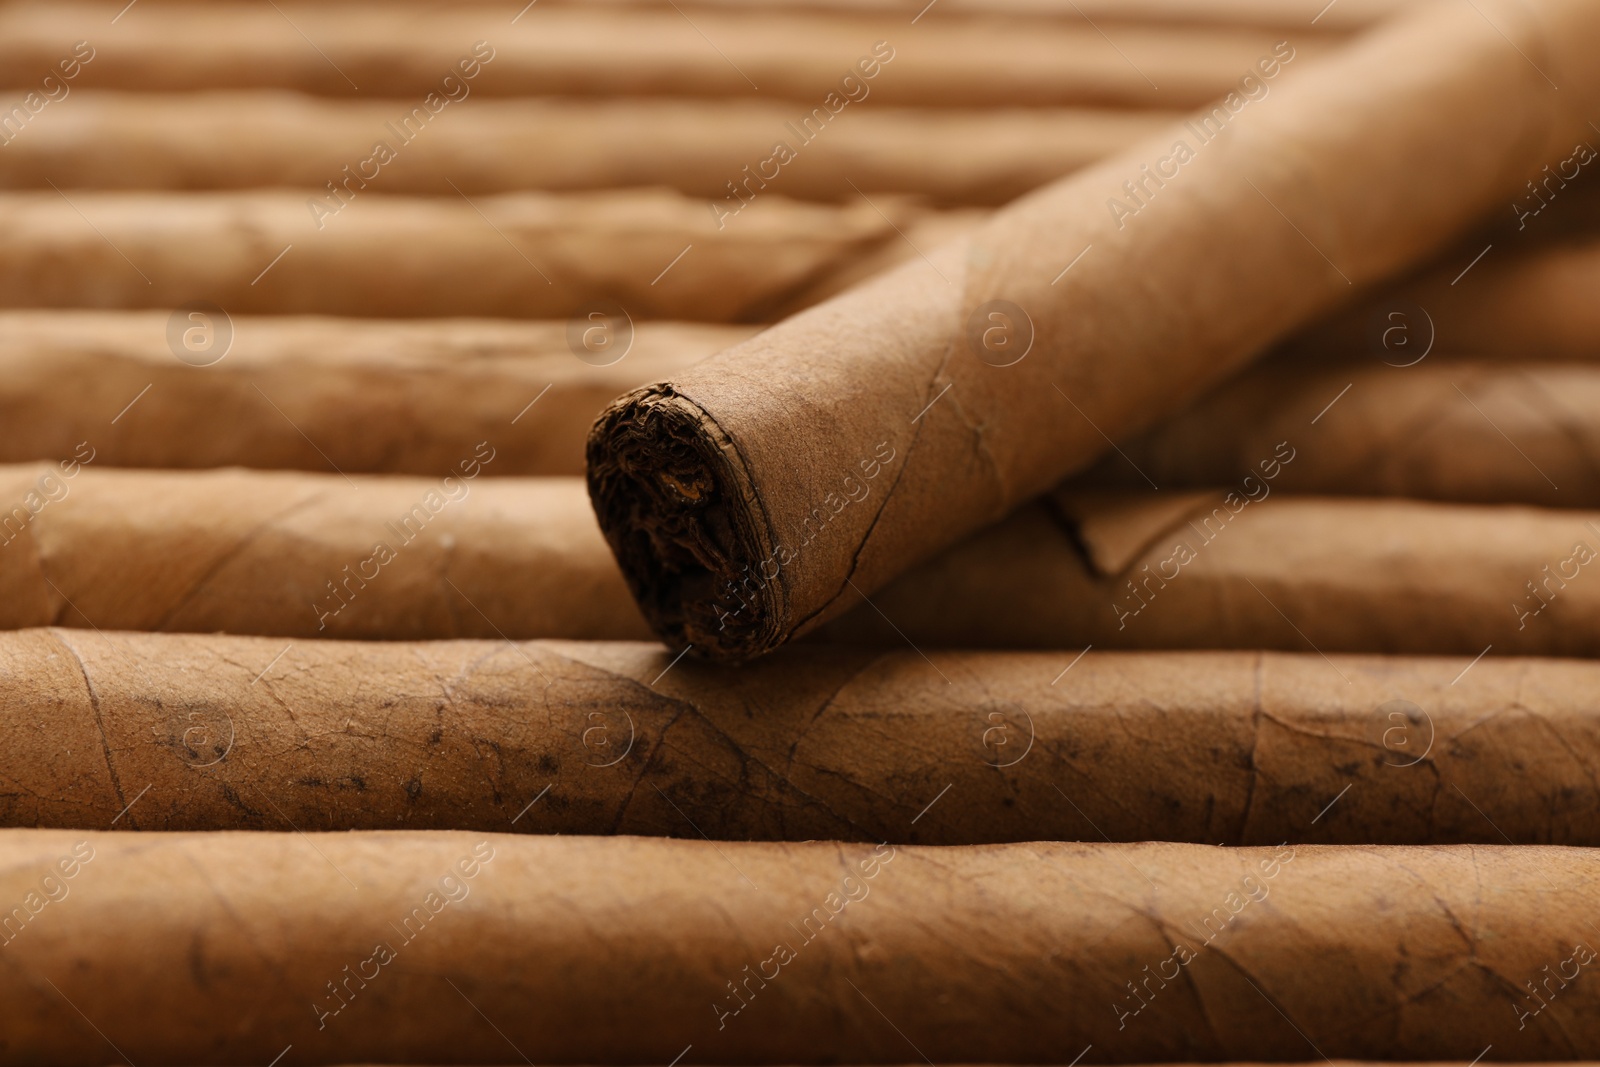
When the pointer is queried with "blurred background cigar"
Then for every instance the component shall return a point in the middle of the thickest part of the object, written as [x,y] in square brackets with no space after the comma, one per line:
[197,387]
[394,947]
[1527,299]
[1475,431]
[576,50]
[307,555]
[1353,15]
[722,150]
[247,733]
[1235,569]
[521,255]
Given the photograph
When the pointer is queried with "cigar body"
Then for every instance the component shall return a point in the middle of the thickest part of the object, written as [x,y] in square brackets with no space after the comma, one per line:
[304,555]
[572,50]
[312,393]
[521,255]
[721,150]
[466,555]
[1242,748]
[1528,302]
[345,948]
[694,479]
[1443,429]
[1239,570]
[1272,14]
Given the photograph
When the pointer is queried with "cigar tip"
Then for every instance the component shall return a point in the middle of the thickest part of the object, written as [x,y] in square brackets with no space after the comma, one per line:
[677,507]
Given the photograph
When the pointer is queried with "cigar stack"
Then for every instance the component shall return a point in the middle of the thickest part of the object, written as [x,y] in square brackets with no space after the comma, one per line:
[799,531]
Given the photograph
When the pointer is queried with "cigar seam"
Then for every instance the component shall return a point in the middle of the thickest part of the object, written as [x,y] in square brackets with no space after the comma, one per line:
[645,420]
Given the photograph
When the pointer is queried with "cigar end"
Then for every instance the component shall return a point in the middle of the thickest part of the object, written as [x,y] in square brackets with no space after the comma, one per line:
[677,507]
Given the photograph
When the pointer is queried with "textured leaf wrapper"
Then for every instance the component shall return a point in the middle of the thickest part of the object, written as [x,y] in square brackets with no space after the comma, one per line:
[1266,228]
[513,255]
[815,743]
[1434,430]
[1213,569]
[147,141]
[630,950]
[573,50]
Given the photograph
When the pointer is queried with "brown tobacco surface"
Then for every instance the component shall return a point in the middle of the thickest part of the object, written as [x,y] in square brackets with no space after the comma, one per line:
[296,554]
[454,947]
[1479,432]
[1192,570]
[409,397]
[1525,300]
[733,544]
[145,141]
[518,255]
[406,51]
[1348,15]
[235,733]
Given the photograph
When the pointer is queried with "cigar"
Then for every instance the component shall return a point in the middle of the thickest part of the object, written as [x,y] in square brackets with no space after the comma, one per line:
[1459,430]
[307,555]
[654,253]
[859,744]
[815,59]
[694,479]
[325,394]
[1244,568]
[1518,302]
[390,947]
[719,150]
[464,555]
[1296,15]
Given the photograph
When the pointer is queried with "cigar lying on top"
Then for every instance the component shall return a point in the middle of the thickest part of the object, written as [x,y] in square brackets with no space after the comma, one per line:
[1514,433]
[391,947]
[353,252]
[817,59]
[325,394]
[814,743]
[1243,568]
[724,150]
[1040,328]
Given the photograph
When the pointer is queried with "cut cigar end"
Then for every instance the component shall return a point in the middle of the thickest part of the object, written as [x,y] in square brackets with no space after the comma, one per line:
[675,503]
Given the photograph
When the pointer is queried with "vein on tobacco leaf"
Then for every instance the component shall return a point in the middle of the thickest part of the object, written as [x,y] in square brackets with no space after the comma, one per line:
[250,537]
[644,771]
[736,748]
[1551,408]
[1256,716]
[823,708]
[94,707]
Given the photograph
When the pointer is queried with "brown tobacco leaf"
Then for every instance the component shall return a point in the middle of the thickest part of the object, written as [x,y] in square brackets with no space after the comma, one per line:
[215,732]
[387,947]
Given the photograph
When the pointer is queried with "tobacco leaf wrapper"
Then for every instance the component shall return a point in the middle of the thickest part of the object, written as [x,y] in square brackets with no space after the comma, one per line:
[239,733]
[518,255]
[1249,569]
[573,50]
[236,140]
[290,554]
[1443,429]
[854,952]
[306,555]
[732,544]
[375,396]
[1525,300]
